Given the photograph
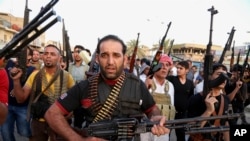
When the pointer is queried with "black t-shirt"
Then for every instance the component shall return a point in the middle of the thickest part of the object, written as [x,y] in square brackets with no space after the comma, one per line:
[78,95]
[197,106]
[182,92]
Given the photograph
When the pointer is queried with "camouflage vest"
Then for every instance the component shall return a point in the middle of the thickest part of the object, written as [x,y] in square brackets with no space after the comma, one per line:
[163,102]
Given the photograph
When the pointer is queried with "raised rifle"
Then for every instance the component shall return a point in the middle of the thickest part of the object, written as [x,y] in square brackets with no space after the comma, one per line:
[22,55]
[171,46]
[127,128]
[232,58]
[13,46]
[208,56]
[133,58]
[238,61]
[155,66]
[246,60]
[227,46]
[66,47]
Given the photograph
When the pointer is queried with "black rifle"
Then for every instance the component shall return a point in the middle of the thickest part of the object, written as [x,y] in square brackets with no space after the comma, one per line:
[227,46]
[132,60]
[208,56]
[155,66]
[127,128]
[246,60]
[22,55]
[66,47]
[13,46]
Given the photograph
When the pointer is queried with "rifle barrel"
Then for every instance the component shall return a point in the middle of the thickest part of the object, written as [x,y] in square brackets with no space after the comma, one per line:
[34,36]
[10,47]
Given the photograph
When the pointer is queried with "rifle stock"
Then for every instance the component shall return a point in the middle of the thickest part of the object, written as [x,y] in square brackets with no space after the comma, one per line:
[154,65]
[13,46]
[208,56]
[132,61]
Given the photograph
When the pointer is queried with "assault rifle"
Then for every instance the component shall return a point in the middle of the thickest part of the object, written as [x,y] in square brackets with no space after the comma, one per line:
[246,60]
[127,128]
[66,47]
[22,56]
[208,56]
[227,46]
[155,66]
[132,61]
[13,46]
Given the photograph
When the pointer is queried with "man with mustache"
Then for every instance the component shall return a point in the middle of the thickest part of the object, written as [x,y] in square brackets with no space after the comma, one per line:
[110,94]
[43,86]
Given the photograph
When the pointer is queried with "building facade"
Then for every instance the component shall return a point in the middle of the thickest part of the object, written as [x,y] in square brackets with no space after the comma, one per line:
[10,26]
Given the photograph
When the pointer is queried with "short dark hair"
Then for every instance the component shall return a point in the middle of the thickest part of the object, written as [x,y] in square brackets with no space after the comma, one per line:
[184,64]
[111,37]
[54,46]
[79,47]
[237,67]
[217,66]
[145,60]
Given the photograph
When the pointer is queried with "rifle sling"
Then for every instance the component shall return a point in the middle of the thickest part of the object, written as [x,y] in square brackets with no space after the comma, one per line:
[38,84]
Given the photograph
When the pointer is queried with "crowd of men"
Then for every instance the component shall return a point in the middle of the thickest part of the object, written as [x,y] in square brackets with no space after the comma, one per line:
[56,104]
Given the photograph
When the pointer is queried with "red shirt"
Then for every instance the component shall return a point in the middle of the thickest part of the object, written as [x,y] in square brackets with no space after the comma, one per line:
[4,86]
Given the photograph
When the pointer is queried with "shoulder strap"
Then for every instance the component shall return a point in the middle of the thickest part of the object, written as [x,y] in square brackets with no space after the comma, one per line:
[38,77]
[61,80]
[49,84]
[167,87]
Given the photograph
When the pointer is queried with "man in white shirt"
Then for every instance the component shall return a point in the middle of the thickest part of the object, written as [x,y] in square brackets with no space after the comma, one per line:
[163,93]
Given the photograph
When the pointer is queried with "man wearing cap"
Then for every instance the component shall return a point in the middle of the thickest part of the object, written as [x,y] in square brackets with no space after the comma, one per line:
[78,70]
[163,93]
[144,72]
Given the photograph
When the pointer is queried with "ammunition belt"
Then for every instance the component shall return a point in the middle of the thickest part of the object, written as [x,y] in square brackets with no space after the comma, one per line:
[105,111]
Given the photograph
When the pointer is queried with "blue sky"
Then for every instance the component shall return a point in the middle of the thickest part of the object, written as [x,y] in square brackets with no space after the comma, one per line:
[88,20]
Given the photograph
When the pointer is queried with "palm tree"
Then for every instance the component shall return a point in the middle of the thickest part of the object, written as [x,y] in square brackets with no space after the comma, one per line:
[131,46]
[165,46]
